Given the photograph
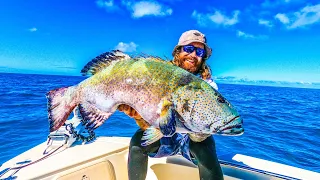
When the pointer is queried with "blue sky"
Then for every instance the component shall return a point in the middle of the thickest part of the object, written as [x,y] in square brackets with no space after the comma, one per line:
[274,40]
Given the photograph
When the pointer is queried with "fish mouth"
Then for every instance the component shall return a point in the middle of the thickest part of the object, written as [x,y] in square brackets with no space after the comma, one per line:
[232,128]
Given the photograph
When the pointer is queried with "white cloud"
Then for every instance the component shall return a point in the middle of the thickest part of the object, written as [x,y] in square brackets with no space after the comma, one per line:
[137,9]
[306,16]
[219,18]
[127,3]
[200,18]
[282,18]
[107,5]
[33,29]
[265,23]
[147,8]
[216,17]
[250,36]
[276,3]
[245,35]
[126,47]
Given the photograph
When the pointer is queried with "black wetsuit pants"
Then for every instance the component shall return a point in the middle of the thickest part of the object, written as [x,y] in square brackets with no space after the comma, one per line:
[204,152]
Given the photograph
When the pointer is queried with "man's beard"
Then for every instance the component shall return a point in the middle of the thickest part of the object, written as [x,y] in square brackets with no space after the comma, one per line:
[193,68]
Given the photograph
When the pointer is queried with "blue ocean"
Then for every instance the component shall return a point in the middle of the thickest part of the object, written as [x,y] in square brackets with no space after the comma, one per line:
[281,124]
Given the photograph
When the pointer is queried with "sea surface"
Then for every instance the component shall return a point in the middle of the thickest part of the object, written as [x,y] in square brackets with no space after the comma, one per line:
[281,124]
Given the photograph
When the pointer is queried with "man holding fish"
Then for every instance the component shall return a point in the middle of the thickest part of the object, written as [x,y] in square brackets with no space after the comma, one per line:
[190,54]
[164,99]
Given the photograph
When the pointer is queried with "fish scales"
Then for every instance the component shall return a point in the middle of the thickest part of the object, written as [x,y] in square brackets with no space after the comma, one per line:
[133,80]
[138,79]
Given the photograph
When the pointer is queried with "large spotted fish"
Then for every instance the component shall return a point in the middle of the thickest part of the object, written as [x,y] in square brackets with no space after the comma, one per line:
[167,97]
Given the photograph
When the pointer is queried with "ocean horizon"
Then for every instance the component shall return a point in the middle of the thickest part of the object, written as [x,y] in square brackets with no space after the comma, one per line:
[218,79]
[281,123]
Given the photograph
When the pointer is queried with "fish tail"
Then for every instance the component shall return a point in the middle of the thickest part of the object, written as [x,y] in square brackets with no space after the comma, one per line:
[61,102]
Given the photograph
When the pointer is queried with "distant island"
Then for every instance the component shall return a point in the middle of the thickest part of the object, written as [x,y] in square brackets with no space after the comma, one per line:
[245,81]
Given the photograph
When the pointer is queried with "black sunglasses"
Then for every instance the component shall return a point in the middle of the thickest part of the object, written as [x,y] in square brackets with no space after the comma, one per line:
[190,48]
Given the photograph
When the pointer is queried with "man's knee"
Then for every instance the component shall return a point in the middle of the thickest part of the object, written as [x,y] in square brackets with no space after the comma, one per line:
[137,150]
[136,138]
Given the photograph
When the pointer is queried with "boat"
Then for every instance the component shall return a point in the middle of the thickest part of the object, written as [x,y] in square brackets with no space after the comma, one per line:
[106,158]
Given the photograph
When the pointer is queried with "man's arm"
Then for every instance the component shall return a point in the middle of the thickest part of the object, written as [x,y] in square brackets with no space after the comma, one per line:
[128,110]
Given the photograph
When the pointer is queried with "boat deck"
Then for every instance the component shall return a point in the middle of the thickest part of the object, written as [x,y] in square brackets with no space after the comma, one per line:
[106,158]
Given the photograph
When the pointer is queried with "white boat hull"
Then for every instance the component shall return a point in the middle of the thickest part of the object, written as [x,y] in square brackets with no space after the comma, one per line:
[106,158]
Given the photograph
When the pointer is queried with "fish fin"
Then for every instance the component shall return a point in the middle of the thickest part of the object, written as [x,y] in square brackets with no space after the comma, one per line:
[167,121]
[92,117]
[102,61]
[150,135]
[60,103]
[149,57]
